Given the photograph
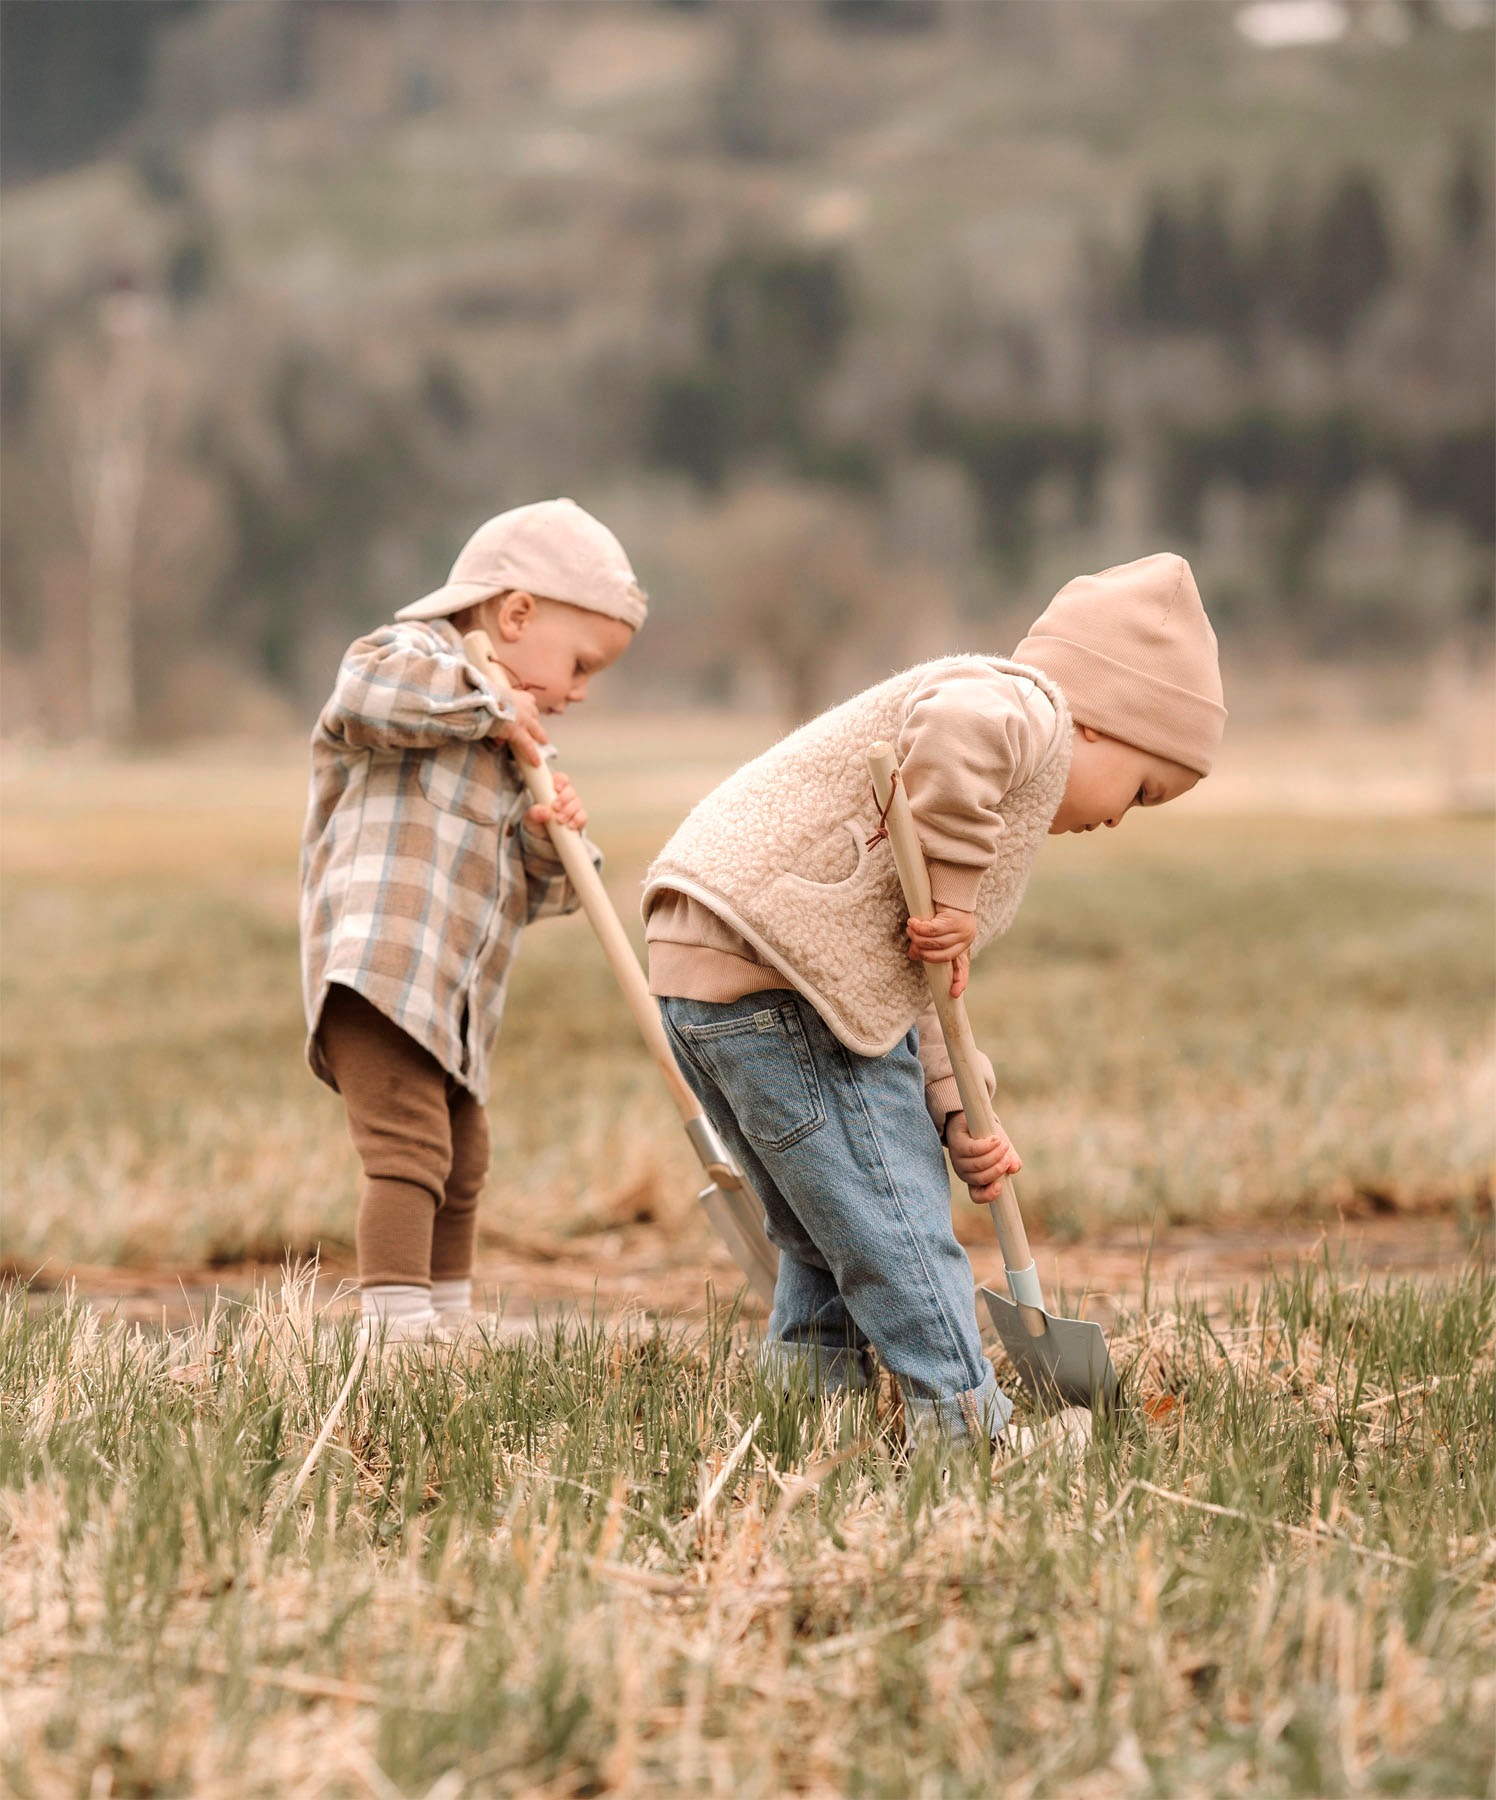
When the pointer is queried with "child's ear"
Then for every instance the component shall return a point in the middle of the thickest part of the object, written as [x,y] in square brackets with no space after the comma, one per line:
[516,610]
[1090,734]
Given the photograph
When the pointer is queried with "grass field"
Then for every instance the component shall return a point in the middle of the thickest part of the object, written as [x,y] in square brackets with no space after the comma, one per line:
[1204,1017]
[609,1559]
[617,1562]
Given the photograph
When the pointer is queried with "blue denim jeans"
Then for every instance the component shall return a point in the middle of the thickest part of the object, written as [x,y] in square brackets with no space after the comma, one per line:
[850,1170]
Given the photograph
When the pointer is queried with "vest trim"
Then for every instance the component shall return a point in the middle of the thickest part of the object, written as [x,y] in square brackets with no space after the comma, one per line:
[724,909]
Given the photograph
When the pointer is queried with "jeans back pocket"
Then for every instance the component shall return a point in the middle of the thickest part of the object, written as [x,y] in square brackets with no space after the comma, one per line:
[762,1063]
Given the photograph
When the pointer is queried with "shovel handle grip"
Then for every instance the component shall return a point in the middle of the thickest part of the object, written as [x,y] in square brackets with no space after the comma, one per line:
[914,878]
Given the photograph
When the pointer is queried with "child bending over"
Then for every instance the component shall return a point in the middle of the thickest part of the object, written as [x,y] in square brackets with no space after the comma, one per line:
[788,972]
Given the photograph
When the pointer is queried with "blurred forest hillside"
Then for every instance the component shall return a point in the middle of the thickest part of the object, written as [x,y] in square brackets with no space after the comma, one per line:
[864,322]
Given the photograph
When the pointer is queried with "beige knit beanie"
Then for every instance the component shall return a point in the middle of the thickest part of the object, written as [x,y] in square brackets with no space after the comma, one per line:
[1135,656]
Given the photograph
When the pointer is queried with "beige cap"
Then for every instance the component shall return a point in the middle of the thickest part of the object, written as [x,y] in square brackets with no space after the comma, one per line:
[552,549]
[1135,656]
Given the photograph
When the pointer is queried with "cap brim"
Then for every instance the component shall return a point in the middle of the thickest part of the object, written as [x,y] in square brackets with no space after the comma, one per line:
[449,599]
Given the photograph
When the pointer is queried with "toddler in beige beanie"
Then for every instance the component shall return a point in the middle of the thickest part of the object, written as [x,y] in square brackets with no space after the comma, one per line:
[788,970]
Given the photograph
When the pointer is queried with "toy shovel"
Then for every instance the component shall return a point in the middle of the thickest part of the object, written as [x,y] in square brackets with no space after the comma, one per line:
[1059,1359]
[730,1203]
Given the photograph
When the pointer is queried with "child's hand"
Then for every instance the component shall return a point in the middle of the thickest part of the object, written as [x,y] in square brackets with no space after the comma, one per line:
[982,1163]
[947,938]
[524,733]
[568,809]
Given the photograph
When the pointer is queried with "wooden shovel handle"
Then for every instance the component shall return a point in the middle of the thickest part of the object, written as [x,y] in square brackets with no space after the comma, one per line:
[914,877]
[594,897]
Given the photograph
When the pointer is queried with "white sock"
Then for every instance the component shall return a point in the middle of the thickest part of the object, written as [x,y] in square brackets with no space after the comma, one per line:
[388,1302]
[454,1296]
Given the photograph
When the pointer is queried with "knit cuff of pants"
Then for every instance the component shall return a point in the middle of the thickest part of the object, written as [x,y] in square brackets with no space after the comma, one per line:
[853,1180]
[422,1139]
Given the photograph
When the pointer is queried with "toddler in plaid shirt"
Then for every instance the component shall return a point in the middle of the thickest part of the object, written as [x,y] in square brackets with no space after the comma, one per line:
[422,861]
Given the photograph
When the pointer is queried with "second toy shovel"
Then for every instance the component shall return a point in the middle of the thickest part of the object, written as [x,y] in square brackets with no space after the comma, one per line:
[1059,1359]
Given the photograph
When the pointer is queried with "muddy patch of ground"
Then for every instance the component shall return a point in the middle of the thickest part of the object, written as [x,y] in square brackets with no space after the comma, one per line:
[622,1273]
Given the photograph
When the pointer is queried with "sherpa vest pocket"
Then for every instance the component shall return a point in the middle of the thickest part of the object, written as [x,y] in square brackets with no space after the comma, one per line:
[835,859]
[469,783]
[760,1059]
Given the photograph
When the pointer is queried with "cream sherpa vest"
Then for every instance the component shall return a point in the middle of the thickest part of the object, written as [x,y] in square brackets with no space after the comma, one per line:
[780,852]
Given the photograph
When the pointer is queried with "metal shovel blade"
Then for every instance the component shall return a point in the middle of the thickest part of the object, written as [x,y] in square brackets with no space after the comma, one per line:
[1068,1363]
[739,1222]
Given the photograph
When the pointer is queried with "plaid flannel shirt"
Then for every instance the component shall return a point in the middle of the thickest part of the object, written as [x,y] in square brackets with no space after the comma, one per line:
[417,876]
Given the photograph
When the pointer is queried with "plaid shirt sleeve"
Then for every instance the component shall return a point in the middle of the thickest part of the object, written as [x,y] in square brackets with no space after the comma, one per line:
[550,894]
[403,688]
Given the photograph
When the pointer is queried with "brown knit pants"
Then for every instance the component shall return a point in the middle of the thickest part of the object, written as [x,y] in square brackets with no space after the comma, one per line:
[421,1137]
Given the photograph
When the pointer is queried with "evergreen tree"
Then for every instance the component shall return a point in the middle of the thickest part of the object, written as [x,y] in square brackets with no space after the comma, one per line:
[1212,289]
[772,324]
[72,76]
[1158,298]
[1348,264]
[1465,203]
[1276,270]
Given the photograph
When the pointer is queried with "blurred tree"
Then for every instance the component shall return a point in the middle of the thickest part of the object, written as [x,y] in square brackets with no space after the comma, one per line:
[346,471]
[161,173]
[190,266]
[1466,202]
[772,322]
[799,580]
[71,76]
[1454,473]
[1307,464]
[693,424]
[1272,274]
[1006,459]
[17,378]
[109,468]
[1189,272]
[1348,262]
[1159,297]
[1213,290]
[886,15]
[744,102]
[447,397]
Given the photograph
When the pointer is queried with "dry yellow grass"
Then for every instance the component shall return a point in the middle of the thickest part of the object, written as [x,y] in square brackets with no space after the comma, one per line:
[1207,1015]
[611,1560]
[617,1562]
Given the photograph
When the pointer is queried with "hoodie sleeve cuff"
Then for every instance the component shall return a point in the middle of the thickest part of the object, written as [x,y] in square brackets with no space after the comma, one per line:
[955,884]
[942,1098]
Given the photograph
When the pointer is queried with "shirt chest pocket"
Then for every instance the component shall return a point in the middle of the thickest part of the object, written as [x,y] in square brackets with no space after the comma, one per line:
[469,782]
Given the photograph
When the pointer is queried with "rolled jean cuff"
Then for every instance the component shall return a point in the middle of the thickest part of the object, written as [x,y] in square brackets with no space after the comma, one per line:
[829,1368]
[980,1411]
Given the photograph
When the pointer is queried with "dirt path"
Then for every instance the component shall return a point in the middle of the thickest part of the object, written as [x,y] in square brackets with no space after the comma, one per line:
[622,1272]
